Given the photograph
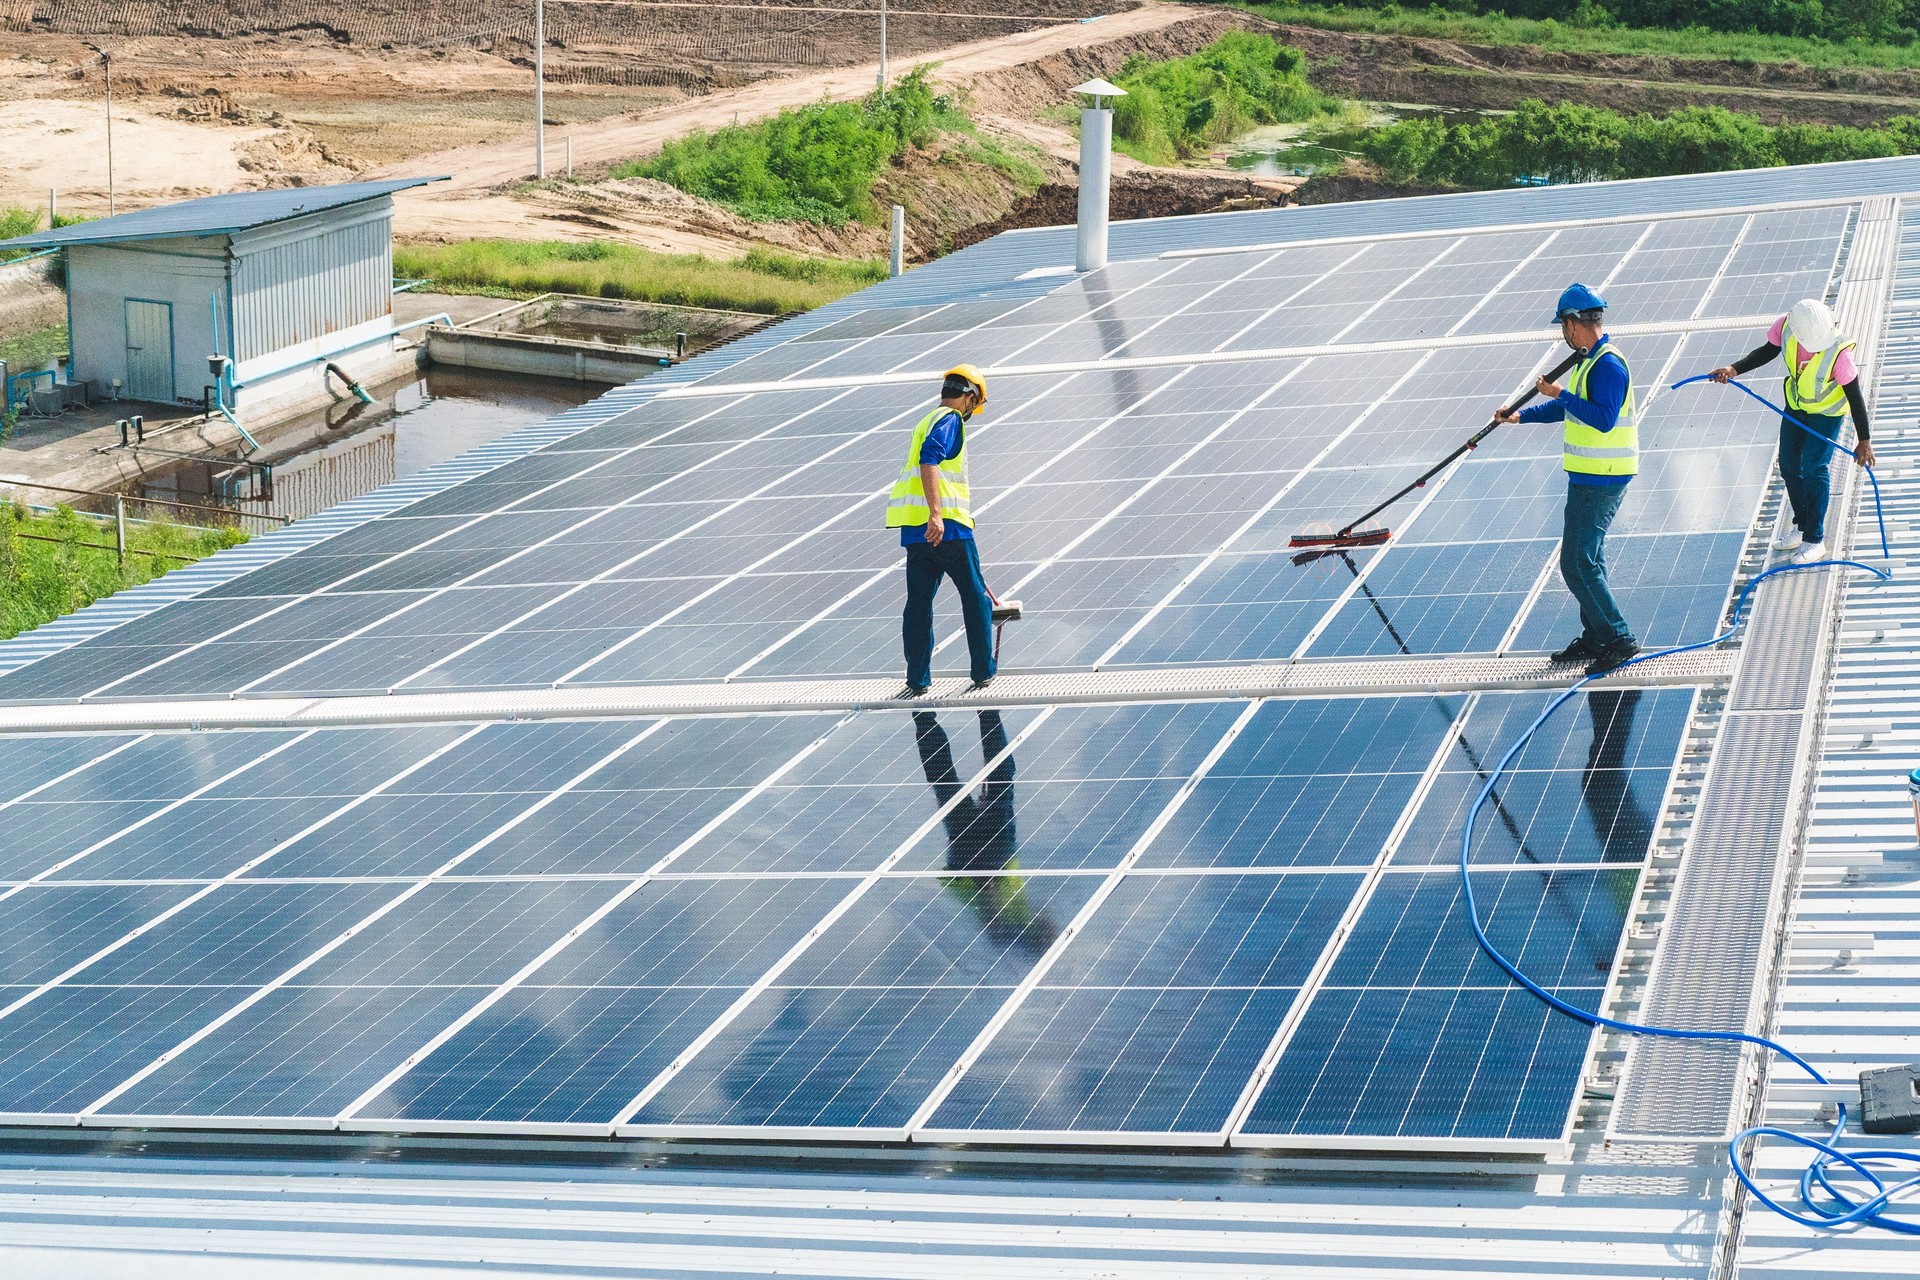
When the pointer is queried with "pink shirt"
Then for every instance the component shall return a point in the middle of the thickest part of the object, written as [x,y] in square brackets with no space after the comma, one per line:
[1843,370]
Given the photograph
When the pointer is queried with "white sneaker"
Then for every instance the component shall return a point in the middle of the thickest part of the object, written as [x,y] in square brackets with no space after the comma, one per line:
[1788,541]
[1811,552]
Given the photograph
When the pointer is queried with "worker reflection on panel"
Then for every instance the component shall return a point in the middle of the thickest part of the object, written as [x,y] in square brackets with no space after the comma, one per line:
[1620,821]
[981,835]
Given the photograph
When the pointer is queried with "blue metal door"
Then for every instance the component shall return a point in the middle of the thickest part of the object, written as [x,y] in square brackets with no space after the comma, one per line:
[149,351]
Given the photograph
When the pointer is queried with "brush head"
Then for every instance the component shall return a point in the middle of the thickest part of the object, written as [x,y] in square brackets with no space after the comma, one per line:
[1006,611]
[1336,540]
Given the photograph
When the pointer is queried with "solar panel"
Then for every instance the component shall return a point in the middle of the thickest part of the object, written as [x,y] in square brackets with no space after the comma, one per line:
[1156,922]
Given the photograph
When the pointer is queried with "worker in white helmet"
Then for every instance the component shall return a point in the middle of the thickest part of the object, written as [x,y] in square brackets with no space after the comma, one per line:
[932,507]
[1820,378]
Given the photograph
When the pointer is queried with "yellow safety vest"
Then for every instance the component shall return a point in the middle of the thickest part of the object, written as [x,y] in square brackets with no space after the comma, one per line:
[1811,388]
[1590,451]
[907,505]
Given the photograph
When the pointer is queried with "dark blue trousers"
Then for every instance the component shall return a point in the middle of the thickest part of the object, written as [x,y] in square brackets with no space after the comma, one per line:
[1803,468]
[926,565]
[1583,559]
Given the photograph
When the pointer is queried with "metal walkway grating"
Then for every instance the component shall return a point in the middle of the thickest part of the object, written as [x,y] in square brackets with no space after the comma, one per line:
[1299,679]
[1715,960]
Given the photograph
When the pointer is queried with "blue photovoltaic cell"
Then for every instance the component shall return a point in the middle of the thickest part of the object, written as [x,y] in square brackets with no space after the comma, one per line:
[864,1024]
[1158,1012]
[1144,515]
[1244,609]
[1671,590]
[70,1045]
[1450,599]
[1586,789]
[1416,1034]
[552,1050]
[43,931]
[63,830]
[448,937]
[1315,783]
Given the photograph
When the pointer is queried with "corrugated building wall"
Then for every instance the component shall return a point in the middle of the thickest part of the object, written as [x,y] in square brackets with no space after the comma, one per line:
[297,282]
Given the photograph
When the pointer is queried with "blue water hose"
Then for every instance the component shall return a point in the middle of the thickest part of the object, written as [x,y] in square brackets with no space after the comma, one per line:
[1878,514]
[1841,1208]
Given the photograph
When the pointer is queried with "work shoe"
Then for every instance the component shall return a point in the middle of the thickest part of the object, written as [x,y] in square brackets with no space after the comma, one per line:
[978,685]
[1579,651]
[915,691]
[1788,541]
[1811,552]
[1611,656]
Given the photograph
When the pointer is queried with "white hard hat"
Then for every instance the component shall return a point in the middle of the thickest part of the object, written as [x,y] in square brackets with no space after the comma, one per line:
[1811,323]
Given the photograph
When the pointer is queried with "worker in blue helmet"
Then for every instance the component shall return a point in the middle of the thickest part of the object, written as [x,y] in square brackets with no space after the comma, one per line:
[1600,448]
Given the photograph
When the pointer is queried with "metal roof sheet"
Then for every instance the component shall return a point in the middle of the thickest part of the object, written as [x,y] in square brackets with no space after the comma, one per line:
[214,215]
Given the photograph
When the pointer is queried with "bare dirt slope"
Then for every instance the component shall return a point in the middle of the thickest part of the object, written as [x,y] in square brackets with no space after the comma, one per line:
[479,168]
[485,198]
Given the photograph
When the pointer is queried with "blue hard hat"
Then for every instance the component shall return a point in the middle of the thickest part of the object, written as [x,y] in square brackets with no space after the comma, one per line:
[1577,297]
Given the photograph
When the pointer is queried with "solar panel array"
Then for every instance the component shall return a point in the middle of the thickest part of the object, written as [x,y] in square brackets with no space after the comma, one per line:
[1154,922]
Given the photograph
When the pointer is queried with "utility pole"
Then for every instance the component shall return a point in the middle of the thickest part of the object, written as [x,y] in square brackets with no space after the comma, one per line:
[106,61]
[539,90]
[883,46]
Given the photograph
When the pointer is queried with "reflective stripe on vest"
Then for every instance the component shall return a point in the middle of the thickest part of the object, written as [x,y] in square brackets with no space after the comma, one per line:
[907,504]
[1590,451]
[1812,389]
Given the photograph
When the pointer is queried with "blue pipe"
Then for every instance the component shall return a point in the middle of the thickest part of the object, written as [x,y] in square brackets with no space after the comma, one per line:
[304,361]
[1840,1208]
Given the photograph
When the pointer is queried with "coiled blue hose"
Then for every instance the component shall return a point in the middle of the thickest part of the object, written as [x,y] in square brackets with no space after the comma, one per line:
[1841,1208]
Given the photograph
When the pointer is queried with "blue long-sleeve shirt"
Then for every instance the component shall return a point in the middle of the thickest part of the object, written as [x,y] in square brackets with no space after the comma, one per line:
[1599,408]
[944,440]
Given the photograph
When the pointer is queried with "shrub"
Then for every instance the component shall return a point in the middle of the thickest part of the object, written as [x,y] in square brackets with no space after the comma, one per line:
[813,164]
[1574,143]
[1182,106]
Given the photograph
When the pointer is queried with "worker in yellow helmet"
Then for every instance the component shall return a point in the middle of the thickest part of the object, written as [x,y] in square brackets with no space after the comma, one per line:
[931,506]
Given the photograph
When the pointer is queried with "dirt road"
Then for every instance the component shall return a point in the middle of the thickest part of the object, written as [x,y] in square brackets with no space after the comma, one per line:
[478,169]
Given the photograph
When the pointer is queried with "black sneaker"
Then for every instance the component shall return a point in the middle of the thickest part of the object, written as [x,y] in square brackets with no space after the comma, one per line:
[1580,650]
[1614,654]
[915,691]
[978,685]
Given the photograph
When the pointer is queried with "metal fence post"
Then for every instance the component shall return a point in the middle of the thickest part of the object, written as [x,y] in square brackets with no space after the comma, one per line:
[120,531]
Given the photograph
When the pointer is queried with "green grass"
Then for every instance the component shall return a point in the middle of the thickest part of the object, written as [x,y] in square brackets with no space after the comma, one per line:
[1693,42]
[763,280]
[33,349]
[1181,107]
[40,581]
[1570,142]
[816,163]
[16,220]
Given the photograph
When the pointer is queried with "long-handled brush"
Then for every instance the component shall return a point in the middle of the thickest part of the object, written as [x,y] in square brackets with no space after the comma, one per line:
[1354,536]
[1004,611]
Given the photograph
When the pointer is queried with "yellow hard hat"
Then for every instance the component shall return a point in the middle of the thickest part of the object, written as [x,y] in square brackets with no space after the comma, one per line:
[972,374]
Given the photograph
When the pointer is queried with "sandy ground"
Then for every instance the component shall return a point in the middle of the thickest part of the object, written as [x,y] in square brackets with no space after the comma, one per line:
[61,144]
[448,210]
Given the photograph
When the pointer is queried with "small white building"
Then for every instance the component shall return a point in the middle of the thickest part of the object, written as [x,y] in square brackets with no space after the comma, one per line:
[280,282]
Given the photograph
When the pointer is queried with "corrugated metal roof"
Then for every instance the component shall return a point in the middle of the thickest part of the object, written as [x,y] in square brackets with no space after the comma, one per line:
[1851,1000]
[215,215]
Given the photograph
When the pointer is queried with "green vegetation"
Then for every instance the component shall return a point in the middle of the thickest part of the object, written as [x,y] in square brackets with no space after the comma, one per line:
[1839,36]
[33,349]
[763,280]
[819,163]
[1180,107]
[18,221]
[1574,143]
[40,580]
